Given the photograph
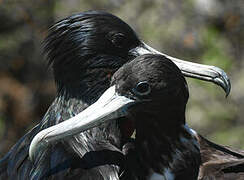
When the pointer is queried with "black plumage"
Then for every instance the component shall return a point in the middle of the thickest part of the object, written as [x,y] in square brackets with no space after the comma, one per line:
[84,50]
[164,147]
[158,122]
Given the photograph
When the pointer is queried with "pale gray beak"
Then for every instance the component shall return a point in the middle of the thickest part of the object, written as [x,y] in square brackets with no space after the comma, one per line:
[109,106]
[190,69]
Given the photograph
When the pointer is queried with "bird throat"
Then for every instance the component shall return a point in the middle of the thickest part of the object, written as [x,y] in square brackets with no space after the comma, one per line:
[157,154]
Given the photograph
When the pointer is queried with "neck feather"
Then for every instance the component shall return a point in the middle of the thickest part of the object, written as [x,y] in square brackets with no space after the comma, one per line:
[166,156]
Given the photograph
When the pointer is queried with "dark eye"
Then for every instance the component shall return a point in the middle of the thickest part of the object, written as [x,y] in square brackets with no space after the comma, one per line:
[142,88]
[119,40]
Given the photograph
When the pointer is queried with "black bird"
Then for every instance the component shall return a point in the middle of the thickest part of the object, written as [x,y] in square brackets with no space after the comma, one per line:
[84,50]
[152,92]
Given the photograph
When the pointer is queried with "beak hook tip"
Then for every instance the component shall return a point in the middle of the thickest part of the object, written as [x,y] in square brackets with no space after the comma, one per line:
[227,91]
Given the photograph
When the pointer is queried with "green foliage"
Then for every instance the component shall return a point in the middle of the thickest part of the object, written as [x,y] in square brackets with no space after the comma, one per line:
[230,136]
[216,49]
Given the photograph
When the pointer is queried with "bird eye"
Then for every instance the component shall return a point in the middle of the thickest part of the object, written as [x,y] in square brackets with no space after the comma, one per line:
[118,40]
[142,88]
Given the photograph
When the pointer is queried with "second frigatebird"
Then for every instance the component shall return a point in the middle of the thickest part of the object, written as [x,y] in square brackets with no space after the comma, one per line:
[84,50]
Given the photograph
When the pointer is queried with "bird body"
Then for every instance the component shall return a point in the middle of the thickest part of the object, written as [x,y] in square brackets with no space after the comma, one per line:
[164,145]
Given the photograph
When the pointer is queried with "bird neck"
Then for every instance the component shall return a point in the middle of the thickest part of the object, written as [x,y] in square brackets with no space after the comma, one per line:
[174,155]
[99,138]
[77,91]
[88,88]
[86,77]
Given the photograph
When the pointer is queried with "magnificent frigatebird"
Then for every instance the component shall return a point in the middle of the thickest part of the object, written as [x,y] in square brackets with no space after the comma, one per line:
[152,92]
[84,50]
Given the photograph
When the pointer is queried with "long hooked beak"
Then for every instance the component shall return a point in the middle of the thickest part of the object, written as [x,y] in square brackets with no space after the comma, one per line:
[190,69]
[109,106]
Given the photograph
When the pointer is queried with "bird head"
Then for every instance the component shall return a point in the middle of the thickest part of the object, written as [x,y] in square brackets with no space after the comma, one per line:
[158,88]
[92,43]
[84,50]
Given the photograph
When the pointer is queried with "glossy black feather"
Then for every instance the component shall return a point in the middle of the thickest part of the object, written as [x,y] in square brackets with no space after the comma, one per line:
[163,144]
[83,50]
[157,128]
[80,45]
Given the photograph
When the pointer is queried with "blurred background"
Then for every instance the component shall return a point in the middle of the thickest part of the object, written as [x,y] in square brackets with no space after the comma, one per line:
[205,31]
